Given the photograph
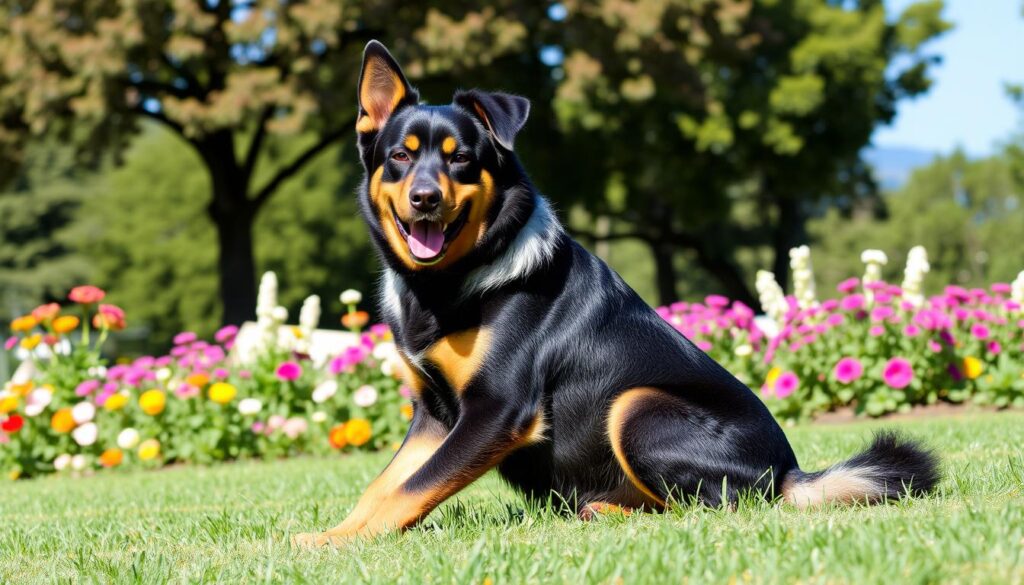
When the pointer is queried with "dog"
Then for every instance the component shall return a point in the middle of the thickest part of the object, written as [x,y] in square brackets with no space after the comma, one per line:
[528,354]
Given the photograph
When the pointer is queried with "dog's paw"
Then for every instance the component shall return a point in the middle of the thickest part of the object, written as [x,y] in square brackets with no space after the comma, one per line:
[594,509]
[309,540]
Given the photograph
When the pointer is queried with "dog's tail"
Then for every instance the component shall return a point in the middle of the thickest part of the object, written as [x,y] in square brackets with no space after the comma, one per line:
[892,466]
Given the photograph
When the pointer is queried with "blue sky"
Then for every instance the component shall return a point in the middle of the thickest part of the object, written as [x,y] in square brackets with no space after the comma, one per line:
[966,106]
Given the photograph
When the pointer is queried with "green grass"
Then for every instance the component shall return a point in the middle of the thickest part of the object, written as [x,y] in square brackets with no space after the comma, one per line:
[231,523]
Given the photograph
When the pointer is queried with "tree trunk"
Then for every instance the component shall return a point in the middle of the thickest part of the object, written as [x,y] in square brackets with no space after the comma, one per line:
[789,232]
[728,275]
[665,271]
[236,268]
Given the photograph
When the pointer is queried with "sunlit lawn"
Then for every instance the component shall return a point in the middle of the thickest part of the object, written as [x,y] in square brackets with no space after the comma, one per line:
[231,523]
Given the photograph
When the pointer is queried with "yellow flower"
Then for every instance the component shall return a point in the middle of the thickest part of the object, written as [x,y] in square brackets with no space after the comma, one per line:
[973,367]
[222,392]
[25,387]
[62,421]
[14,474]
[22,324]
[358,432]
[153,402]
[115,402]
[773,375]
[406,411]
[149,449]
[198,379]
[65,324]
[8,404]
[31,341]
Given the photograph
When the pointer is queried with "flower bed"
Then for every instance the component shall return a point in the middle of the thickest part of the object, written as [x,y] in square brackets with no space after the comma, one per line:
[878,347]
[195,404]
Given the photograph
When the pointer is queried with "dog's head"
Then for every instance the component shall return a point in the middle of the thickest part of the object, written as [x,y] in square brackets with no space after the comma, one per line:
[436,175]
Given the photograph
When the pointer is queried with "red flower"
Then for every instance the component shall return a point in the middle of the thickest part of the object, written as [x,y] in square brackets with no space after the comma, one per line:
[13,424]
[109,317]
[86,295]
[47,312]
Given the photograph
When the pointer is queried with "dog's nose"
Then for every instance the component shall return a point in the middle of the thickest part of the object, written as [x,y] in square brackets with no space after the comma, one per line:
[425,199]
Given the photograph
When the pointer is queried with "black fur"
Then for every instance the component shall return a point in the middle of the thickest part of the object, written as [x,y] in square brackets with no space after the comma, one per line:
[566,340]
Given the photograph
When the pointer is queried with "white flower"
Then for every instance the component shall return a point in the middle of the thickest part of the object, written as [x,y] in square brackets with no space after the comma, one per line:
[387,367]
[86,434]
[37,401]
[309,315]
[365,396]
[97,371]
[78,462]
[324,391]
[128,438]
[83,412]
[249,406]
[351,297]
[279,314]
[773,301]
[803,276]
[743,350]
[1017,289]
[163,374]
[266,299]
[62,462]
[913,275]
[318,416]
[874,257]
[385,350]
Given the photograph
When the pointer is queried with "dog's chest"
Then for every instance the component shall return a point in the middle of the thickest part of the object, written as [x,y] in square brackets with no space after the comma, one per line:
[440,374]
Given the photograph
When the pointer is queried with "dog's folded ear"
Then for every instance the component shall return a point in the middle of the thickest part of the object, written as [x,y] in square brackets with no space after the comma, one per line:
[382,88]
[503,114]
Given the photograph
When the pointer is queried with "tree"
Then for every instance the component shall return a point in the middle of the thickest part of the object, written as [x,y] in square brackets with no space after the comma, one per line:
[677,115]
[230,77]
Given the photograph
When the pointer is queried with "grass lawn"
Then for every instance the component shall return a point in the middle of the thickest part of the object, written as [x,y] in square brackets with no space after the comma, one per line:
[231,523]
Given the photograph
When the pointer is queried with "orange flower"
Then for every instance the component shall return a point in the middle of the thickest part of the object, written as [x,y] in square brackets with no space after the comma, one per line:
[65,324]
[109,317]
[111,457]
[198,379]
[358,432]
[62,421]
[355,319]
[25,387]
[25,323]
[47,312]
[406,411]
[336,437]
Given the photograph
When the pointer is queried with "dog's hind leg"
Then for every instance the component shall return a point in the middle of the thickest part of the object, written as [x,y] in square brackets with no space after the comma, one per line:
[671,449]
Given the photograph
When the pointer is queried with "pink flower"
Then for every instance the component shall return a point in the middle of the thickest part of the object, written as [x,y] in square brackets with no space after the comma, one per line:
[226,333]
[87,387]
[848,369]
[10,343]
[934,346]
[786,384]
[294,427]
[876,330]
[849,285]
[275,422]
[898,373]
[980,331]
[1001,288]
[186,391]
[111,317]
[86,295]
[716,301]
[288,371]
[880,314]
[220,373]
[258,427]
[994,347]
[911,331]
[852,303]
[405,391]
[184,338]
[704,346]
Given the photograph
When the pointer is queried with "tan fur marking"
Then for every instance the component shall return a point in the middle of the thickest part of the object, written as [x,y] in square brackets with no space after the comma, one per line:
[410,376]
[412,142]
[618,416]
[384,195]
[839,485]
[365,124]
[448,145]
[460,355]
[535,432]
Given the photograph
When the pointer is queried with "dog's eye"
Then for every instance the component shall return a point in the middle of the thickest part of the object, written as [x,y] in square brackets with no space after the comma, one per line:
[460,158]
[400,157]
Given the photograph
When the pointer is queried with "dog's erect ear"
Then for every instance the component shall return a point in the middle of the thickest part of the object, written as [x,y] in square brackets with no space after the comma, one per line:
[382,88]
[503,114]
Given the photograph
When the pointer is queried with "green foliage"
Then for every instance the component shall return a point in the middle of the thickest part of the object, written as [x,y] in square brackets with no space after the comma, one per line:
[154,247]
[968,214]
[38,261]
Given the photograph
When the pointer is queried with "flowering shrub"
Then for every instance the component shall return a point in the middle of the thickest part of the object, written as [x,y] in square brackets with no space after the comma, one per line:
[196,404]
[877,347]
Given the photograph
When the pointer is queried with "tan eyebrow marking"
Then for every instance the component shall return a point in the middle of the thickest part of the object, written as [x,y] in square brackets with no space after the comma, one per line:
[448,146]
[412,142]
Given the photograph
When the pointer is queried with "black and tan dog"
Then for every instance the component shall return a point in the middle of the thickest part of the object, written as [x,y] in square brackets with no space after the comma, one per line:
[528,354]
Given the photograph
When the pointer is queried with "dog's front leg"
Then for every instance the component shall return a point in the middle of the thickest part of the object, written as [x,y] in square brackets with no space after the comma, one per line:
[426,471]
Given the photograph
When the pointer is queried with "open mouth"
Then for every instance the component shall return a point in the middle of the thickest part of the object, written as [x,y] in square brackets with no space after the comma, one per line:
[428,240]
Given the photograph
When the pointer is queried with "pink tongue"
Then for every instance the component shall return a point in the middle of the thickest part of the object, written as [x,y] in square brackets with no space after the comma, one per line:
[426,239]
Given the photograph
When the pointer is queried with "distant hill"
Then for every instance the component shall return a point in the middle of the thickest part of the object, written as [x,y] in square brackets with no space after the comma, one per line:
[893,164]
